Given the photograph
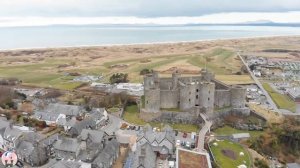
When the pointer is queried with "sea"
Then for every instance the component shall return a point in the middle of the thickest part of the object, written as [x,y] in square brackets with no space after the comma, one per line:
[72,36]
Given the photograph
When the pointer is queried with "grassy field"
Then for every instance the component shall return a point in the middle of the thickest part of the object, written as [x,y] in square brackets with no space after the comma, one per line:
[40,74]
[225,161]
[282,101]
[227,130]
[47,73]
[131,116]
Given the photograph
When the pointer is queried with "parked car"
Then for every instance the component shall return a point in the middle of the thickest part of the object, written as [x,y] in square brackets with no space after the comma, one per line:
[178,142]
[19,164]
[193,145]
[137,128]
[188,144]
[184,135]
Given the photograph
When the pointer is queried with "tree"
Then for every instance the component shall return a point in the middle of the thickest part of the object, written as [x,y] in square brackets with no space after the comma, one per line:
[145,71]
[119,78]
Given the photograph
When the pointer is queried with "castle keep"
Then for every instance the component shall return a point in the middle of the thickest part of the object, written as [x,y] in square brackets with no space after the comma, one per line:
[202,93]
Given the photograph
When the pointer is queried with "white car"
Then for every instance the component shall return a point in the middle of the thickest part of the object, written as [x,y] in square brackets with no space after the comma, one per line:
[188,144]
[178,142]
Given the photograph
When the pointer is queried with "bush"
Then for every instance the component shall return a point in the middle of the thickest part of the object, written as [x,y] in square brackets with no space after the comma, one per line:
[260,163]
[145,71]
[119,78]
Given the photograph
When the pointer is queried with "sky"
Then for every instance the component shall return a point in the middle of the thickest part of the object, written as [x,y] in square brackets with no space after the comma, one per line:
[35,12]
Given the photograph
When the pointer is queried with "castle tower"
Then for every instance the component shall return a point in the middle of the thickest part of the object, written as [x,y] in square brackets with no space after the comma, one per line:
[175,77]
[238,97]
[206,96]
[152,92]
[187,96]
[206,75]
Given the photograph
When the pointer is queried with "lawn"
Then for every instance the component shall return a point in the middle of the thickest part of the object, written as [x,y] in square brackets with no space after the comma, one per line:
[235,79]
[282,101]
[131,116]
[227,154]
[40,74]
[227,130]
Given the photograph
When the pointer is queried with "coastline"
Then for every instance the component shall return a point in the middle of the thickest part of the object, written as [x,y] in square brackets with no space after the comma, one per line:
[152,43]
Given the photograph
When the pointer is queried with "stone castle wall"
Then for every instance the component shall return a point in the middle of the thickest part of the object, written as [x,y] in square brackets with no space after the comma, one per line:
[238,97]
[187,97]
[222,98]
[152,100]
[169,98]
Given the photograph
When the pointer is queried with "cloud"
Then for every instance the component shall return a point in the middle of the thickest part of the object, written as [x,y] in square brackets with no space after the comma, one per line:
[219,18]
[140,8]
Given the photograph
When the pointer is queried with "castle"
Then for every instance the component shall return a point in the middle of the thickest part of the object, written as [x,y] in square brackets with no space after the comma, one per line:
[202,93]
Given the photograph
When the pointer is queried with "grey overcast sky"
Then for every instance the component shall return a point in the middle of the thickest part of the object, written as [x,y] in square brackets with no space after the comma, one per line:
[139,8]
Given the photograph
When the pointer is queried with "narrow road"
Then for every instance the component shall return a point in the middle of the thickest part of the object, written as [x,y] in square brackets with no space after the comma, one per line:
[270,100]
[202,132]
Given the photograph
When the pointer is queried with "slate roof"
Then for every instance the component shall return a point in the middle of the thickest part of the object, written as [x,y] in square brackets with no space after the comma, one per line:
[12,133]
[108,152]
[4,124]
[46,116]
[30,147]
[144,156]
[152,136]
[95,136]
[84,124]
[66,164]
[70,110]
[293,165]
[67,144]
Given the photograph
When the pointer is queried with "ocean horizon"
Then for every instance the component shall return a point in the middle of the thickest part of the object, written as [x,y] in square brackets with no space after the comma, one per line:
[100,35]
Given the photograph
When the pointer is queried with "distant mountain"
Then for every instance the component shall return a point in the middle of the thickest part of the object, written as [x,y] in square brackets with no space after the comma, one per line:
[253,23]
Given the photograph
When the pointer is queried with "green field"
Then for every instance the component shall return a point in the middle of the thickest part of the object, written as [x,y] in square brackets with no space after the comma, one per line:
[282,101]
[226,161]
[40,74]
[131,116]
[227,130]
[47,73]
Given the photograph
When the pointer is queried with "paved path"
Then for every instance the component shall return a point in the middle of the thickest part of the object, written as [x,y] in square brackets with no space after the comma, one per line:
[202,132]
[270,100]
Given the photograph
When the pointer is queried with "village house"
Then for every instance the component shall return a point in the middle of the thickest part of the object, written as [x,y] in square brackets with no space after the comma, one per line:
[143,157]
[70,164]
[92,142]
[108,156]
[163,143]
[11,137]
[3,125]
[31,150]
[67,148]
[58,114]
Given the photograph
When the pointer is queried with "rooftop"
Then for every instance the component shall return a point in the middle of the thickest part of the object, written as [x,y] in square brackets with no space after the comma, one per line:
[187,159]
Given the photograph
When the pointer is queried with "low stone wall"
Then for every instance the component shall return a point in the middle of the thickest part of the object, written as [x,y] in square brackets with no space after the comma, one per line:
[190,117]
[177,117]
